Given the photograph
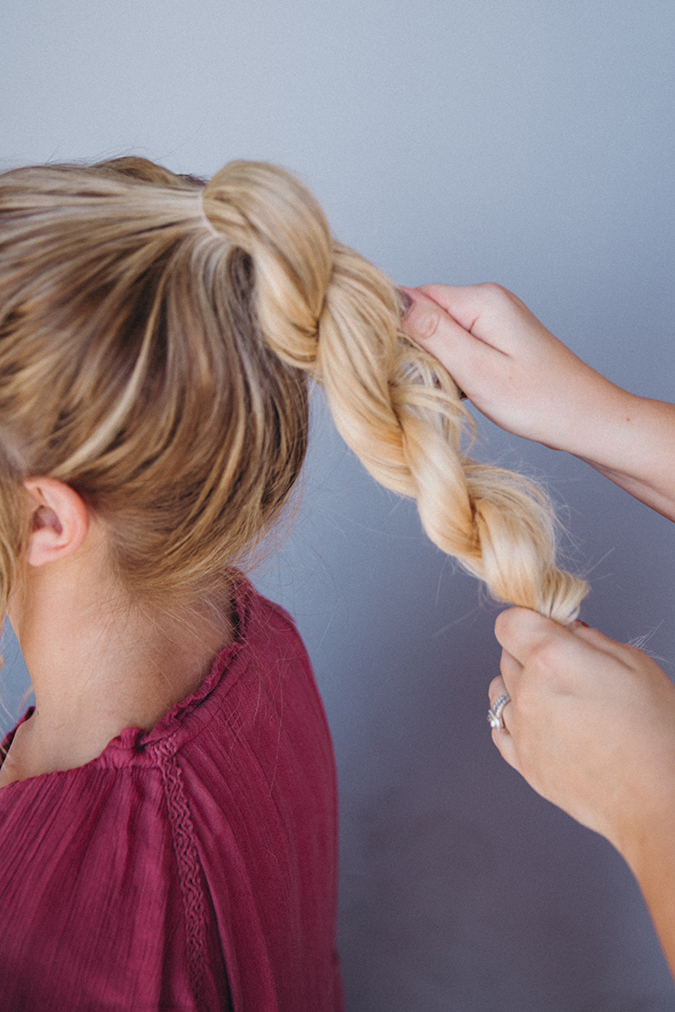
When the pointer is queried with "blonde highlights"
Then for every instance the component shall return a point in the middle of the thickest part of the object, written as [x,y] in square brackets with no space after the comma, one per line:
[156,336]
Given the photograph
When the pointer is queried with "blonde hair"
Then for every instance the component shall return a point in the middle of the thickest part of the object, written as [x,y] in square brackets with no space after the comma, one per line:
[156,335]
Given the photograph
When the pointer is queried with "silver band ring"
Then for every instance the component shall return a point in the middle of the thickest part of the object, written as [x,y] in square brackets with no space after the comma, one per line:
[495,719]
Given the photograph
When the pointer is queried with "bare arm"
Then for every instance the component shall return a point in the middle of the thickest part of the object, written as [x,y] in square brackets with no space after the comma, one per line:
[527,381]
[638,452]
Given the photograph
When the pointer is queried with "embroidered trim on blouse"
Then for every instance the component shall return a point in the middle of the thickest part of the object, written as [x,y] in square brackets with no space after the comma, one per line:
[189,867]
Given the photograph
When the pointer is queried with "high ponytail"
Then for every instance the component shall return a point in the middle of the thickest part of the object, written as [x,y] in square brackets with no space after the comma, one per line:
[325,309]
[156,335]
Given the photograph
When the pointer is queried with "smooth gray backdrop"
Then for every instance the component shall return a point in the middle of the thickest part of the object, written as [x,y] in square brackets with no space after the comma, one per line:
[528,142]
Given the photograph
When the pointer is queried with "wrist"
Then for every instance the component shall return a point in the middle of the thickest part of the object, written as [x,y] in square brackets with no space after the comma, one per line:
[643,824]
[592,412]
[601,429]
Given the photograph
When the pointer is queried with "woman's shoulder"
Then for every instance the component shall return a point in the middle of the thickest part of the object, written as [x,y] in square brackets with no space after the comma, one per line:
[259,692]
[232,795]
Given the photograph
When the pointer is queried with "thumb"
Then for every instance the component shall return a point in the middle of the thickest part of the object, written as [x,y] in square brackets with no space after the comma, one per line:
[430,326]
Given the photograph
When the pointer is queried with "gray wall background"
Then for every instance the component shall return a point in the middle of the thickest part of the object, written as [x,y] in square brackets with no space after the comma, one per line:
[529,142]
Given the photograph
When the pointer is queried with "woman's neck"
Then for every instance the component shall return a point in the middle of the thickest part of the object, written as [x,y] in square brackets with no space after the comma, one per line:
[97,666]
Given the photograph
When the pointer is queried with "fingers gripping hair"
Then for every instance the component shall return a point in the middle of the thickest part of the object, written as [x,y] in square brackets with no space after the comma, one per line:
[326,310]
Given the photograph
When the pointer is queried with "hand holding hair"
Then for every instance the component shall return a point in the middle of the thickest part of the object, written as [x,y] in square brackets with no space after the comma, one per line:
[510,366]
[590,727]
[528,382]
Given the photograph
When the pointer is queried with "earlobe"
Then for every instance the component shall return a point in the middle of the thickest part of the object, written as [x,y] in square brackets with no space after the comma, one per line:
[59,520]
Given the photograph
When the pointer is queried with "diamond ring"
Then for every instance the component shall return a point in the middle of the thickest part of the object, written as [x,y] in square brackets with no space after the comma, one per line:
[495,719]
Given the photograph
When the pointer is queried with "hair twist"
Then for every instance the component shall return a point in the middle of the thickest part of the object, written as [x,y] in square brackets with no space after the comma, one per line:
[272,217]
[324,309]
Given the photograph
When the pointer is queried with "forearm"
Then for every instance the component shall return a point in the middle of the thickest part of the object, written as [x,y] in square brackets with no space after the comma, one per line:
[632,442]
[653,864]
[661,500]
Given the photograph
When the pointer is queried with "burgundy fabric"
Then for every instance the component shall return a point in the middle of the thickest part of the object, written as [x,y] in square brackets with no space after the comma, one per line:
[192,867]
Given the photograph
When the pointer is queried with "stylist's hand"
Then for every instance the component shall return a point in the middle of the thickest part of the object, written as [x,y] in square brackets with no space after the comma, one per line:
[508,364]
[591,727]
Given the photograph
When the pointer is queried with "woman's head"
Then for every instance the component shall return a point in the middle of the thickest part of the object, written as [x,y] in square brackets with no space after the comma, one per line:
[156,335]
[133,369]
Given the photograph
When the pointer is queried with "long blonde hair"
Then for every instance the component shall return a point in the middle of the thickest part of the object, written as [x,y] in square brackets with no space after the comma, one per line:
[156,336]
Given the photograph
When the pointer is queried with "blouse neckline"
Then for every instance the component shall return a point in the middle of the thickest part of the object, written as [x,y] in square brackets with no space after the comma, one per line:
[134,739]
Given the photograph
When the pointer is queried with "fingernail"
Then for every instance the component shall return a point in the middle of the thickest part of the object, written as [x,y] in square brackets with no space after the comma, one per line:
[406,302]
[584,624]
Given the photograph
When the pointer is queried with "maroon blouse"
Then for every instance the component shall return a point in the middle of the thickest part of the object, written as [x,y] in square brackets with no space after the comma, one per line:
[192,867]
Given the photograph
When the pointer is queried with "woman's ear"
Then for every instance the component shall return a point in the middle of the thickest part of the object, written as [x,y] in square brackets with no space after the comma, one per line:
[59,520]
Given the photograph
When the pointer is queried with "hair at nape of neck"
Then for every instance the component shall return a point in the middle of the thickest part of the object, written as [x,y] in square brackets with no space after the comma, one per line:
[156,337]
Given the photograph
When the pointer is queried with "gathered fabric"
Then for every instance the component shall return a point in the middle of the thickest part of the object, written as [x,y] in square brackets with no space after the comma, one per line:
[192,867]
